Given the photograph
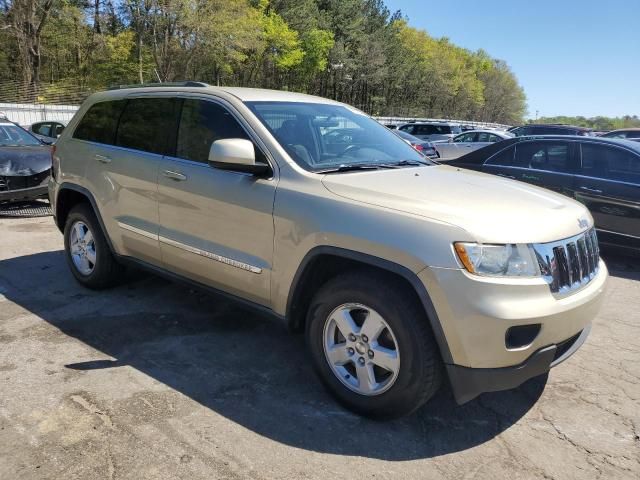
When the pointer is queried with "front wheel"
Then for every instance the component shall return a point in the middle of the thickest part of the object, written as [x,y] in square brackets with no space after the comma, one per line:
[372,345]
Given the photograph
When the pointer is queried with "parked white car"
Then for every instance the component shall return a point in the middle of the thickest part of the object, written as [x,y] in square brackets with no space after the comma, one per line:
[431,131]
[468,142]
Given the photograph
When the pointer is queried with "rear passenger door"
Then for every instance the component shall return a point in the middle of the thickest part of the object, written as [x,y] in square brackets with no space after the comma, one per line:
[609,185]
[216,225]
[127,139]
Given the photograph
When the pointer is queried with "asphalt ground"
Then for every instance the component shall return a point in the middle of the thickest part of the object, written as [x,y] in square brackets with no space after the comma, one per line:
[156,380]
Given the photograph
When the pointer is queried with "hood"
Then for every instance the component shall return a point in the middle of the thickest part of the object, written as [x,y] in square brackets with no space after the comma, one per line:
[24,161]
[489,208]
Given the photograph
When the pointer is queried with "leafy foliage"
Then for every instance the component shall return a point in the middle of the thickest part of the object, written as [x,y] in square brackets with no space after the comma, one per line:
[354,51]
[597,123]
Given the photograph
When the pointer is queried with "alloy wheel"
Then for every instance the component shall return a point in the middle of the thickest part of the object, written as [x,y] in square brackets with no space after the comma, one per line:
[83,248]
[361,349]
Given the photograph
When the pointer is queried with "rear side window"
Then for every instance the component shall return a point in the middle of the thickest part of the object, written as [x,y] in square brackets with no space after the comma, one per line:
[100,122]
[549,156]
[201,124]
[147,124]
[505,158]
[610,163]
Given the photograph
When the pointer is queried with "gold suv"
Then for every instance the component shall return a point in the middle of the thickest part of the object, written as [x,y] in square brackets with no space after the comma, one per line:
[400,271]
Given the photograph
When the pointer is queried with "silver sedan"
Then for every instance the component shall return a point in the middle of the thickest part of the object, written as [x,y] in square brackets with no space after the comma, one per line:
[469,141]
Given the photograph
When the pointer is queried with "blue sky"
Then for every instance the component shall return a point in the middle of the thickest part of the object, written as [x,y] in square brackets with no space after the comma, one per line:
[572,57]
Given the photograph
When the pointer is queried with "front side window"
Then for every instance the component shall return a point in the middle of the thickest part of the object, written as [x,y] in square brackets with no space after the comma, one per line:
[42,129]
[611,163]
[14,136]
[321,136]
[549,156]
[201,124]
[100,122]
[466,138]
[487,137]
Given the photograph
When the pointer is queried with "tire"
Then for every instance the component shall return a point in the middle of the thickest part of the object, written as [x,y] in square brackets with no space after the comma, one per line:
[101,269]
[407,340]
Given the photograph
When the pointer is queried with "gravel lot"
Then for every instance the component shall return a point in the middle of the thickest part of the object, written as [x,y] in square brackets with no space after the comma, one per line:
[155,380]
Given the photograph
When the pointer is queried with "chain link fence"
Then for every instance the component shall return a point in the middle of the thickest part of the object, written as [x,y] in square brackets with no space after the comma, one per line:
[27,104]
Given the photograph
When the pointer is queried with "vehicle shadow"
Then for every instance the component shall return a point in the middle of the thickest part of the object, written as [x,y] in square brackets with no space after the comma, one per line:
[241,365]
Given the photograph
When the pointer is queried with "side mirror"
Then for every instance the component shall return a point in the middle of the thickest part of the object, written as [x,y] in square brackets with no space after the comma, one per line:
[238,155]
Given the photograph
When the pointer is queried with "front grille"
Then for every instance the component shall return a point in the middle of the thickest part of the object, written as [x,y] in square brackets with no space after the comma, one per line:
[569,264]
[8,183]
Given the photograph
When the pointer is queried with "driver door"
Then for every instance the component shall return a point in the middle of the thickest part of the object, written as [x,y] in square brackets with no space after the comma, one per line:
[216,226]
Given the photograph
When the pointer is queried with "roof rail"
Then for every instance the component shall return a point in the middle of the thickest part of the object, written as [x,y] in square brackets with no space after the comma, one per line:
[165,84]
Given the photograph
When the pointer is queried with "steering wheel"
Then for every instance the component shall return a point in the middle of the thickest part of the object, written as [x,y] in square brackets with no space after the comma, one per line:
[351,148]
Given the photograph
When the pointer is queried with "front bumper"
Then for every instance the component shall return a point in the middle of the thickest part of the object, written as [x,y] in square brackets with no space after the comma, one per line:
[475,314]
[468,383]
[23,194]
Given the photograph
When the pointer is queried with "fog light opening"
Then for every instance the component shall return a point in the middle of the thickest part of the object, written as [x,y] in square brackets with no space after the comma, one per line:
[521,336]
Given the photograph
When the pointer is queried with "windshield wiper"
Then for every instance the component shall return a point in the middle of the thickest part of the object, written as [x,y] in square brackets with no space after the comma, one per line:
[406,163]
[350,168]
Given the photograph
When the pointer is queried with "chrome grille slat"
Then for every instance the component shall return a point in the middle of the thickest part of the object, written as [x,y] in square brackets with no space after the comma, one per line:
[589,253]
[569,264]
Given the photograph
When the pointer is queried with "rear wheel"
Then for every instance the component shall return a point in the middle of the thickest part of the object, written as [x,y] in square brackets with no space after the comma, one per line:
[87,251]
[372,345]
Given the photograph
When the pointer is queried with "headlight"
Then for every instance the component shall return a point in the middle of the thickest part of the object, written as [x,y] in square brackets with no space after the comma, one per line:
[513,260]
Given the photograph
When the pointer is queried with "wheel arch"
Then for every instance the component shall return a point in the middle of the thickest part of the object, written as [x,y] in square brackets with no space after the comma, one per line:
[70,195]
[325,262]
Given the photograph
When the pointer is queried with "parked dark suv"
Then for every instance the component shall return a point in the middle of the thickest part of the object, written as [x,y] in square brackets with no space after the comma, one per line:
[550,129]
[602,173]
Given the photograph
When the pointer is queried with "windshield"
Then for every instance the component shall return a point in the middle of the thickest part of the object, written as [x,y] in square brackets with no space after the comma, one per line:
[14,136]
[321,136]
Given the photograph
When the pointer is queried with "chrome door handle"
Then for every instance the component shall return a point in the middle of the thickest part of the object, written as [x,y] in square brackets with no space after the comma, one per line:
[177,176]
[590,190]
[102,158]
